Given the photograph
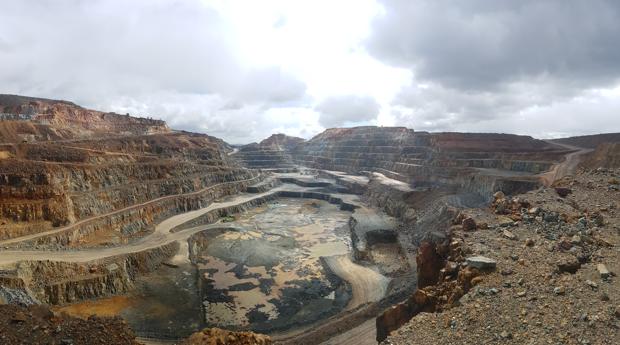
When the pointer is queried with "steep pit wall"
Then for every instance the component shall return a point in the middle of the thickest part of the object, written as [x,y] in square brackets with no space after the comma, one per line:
[353,184]
[255,157]
[57,283]
[264,186]
[55,183]
[442,283]
[486,185]
[141,217]
[402,152]
[273,152]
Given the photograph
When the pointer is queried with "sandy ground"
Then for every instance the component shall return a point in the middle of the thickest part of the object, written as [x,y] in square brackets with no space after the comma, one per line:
[368,285]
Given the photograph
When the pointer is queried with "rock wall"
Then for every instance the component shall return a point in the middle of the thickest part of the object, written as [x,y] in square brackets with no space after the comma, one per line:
[606,155]
[446,284]
[56,283]
[428,159]
[273,152]
[140,218]
[118,174]
[75,120]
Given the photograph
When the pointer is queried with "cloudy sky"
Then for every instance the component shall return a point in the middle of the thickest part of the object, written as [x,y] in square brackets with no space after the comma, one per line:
[241,70]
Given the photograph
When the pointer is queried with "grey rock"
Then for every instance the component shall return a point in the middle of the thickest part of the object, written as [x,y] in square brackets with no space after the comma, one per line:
[509,235]
[481,262]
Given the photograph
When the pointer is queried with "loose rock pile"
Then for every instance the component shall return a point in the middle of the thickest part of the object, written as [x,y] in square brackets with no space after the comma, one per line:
[555,280]
[38,325]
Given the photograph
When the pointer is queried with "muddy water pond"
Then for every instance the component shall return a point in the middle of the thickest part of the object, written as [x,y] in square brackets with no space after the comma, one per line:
[265,276]
[269,275]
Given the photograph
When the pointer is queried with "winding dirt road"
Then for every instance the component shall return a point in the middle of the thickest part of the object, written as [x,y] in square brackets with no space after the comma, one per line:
[567,167]
[159,237]
[115,212]
[367,285]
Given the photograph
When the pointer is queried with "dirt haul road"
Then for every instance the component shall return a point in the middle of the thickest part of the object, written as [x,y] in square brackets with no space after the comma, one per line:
[567,167]
[159,237]
[132,207]
[367,285]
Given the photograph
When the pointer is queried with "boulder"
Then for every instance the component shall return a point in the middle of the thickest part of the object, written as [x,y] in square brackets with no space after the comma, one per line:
[563,191]
[568,265]
[603,271]
[469,224]
[429,264]
[481,263]
[509,235]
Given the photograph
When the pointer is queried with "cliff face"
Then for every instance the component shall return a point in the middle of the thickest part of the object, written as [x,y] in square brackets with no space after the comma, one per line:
[281,142]
[425,159]
[102,172]
[273,152]
[606,155]
[56,282]
[71,119]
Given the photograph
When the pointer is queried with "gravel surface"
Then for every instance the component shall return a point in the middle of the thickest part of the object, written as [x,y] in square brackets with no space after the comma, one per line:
[533,296]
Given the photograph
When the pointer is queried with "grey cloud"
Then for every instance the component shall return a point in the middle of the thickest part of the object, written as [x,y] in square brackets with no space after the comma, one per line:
[434,106]
[482,65]
[107,52]
[349,109]
[484,44]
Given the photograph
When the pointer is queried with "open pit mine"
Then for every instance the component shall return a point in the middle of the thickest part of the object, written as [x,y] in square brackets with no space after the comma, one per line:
[350,237]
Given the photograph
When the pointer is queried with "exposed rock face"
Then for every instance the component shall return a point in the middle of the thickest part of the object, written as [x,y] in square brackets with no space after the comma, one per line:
[481,163]
[558,266]
[429,262]
[451,283]
[57,283]
[73,169]
[402,151]
[281,142]
[65,119]
[606,155]
[273,152]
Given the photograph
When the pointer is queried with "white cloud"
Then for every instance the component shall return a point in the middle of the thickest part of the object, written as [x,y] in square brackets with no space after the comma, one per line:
[242,70]
[347,110]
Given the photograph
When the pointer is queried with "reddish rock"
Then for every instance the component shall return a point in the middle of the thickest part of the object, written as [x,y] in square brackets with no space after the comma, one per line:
[392,319]
[468,224]
[429,264]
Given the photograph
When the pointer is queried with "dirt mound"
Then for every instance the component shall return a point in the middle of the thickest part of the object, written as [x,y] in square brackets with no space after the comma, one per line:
[38,325]
[216,336]
[606,155]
